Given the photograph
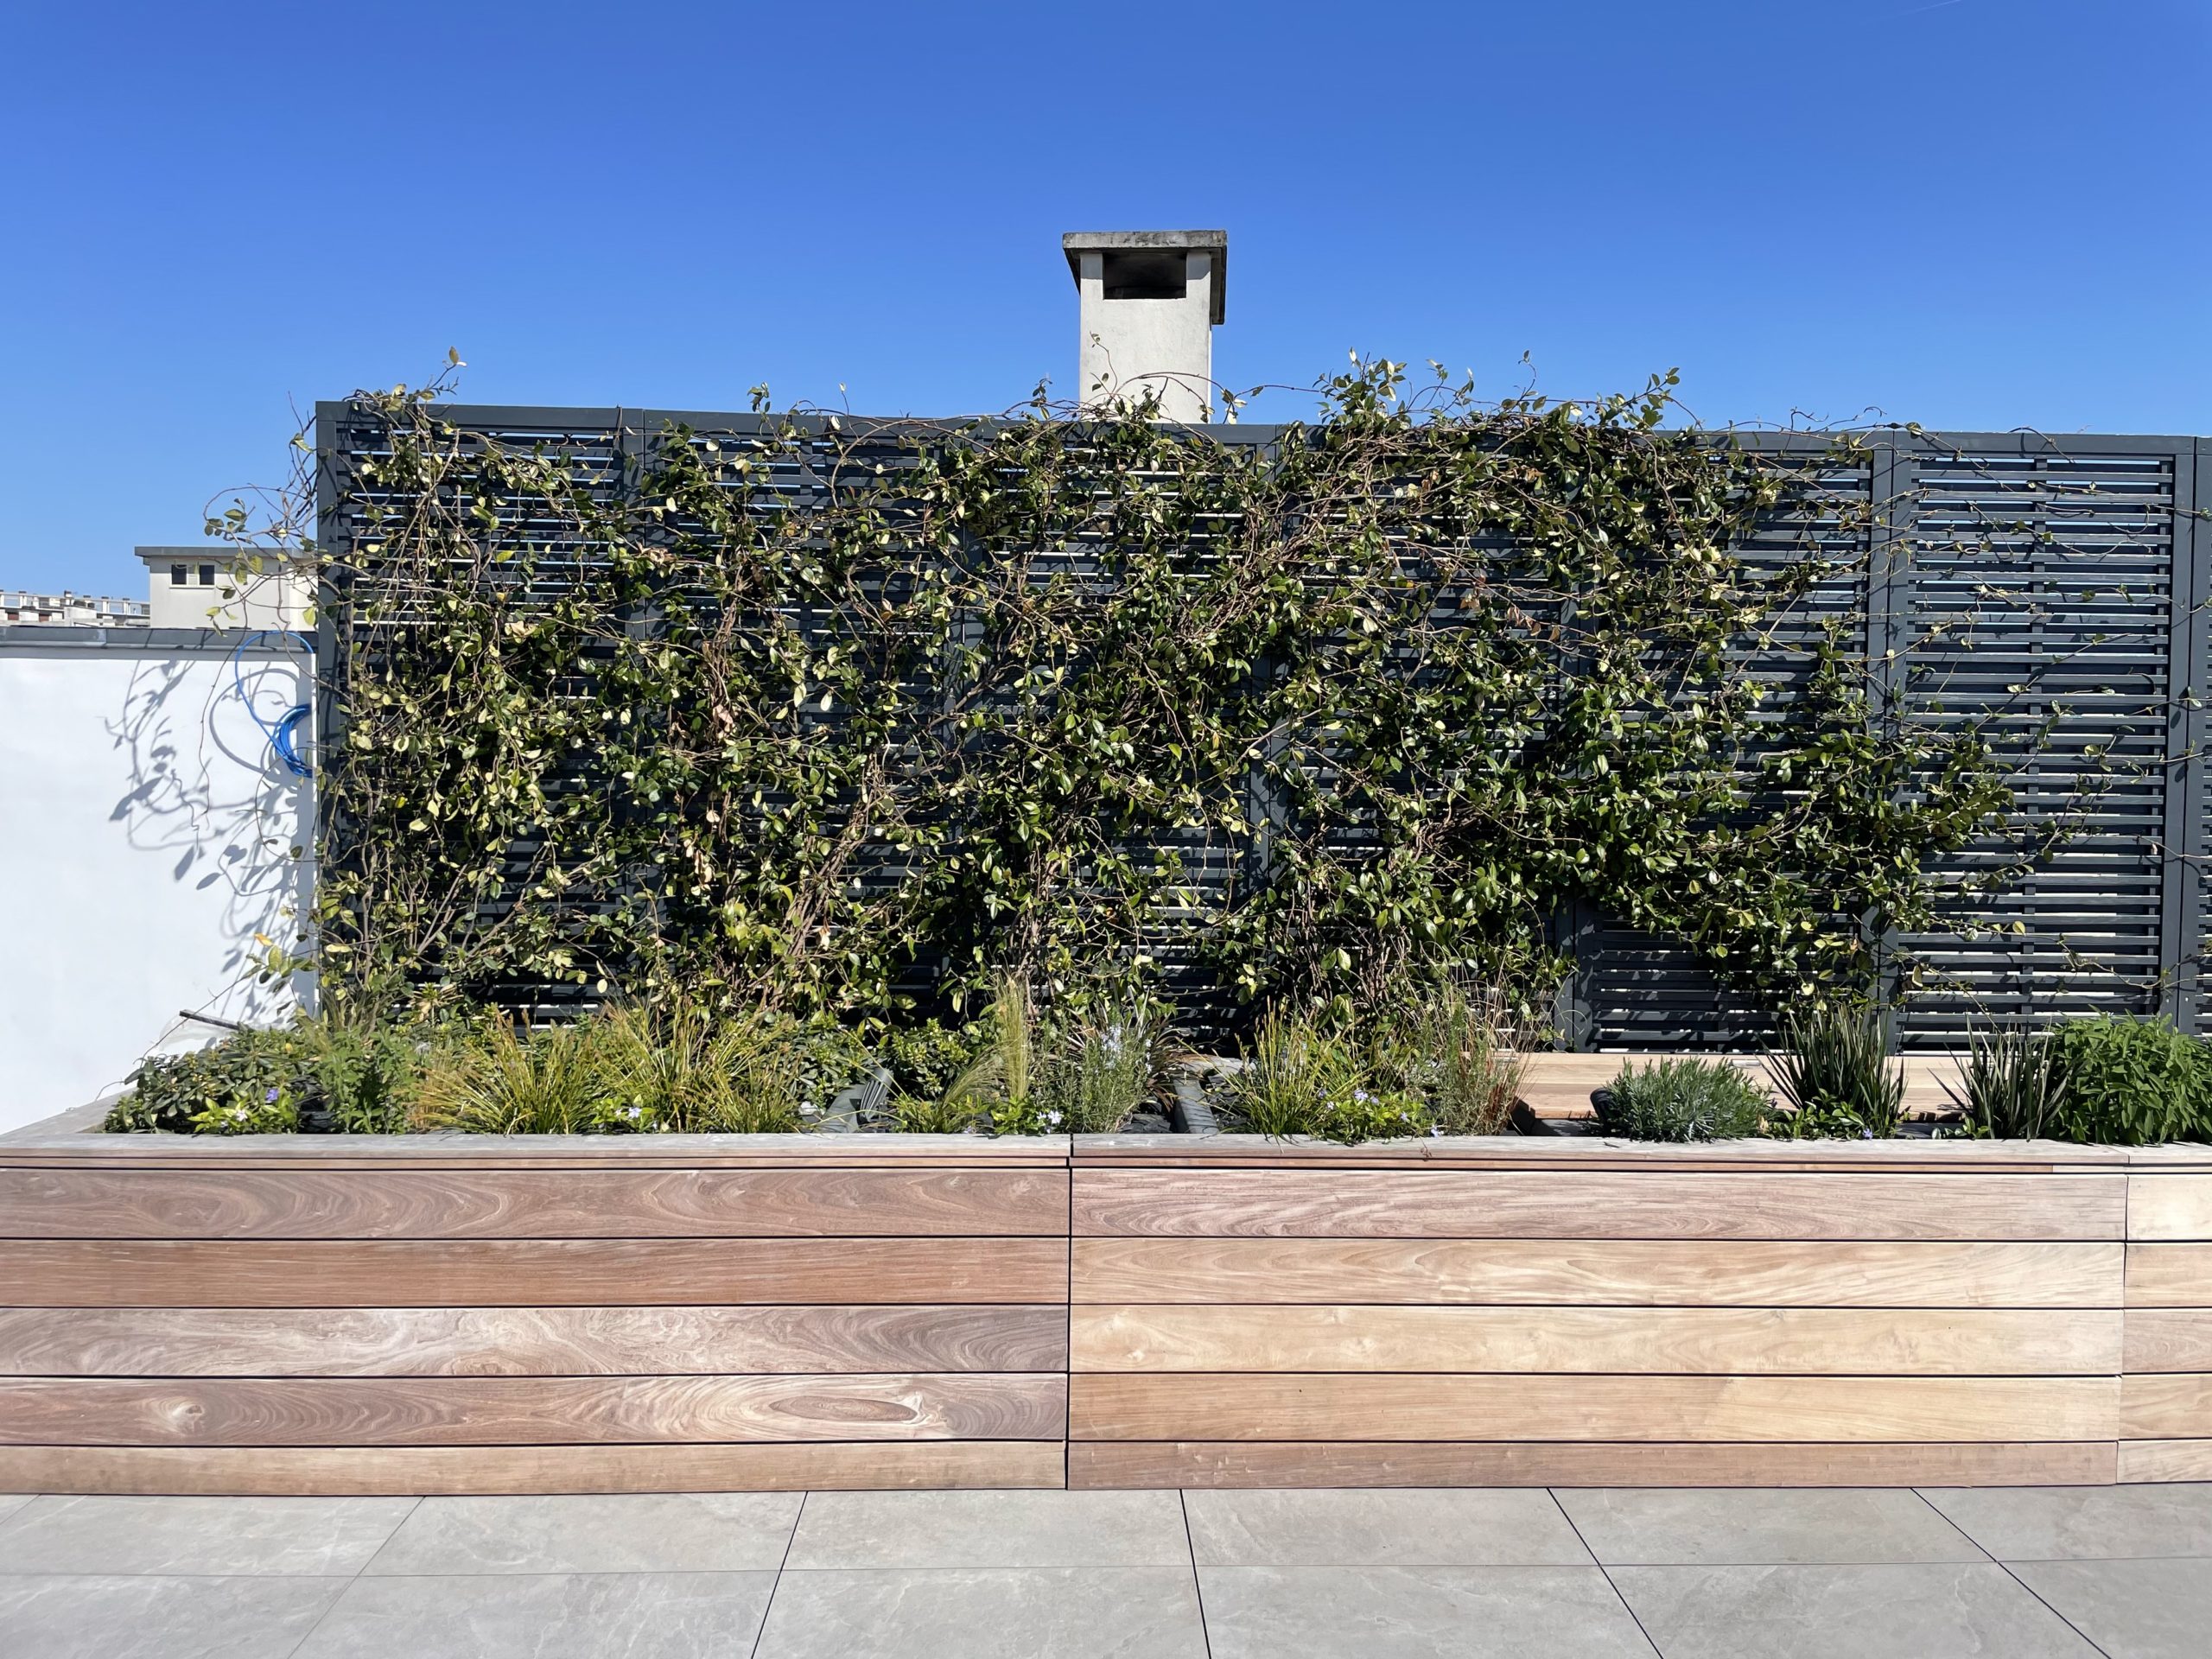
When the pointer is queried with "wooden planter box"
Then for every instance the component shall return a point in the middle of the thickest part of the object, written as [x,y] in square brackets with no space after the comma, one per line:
[452,1314]
[473,1314]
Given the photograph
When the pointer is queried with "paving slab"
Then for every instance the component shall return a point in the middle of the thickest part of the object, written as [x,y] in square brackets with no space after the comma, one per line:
[2046,1523]
[2132,1609]
[553,1616]
[1113,1612]
[1433,1612]
[1006,1529]
[1763,1527]
[675,1532]
[1899,1610]
[10,1502]
[1419,1527]
[150,1616]
[199,1536]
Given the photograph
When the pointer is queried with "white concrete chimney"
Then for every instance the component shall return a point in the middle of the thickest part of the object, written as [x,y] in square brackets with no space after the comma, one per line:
[1150,300]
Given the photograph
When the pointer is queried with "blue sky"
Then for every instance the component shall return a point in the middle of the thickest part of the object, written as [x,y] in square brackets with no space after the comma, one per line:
[1972,214]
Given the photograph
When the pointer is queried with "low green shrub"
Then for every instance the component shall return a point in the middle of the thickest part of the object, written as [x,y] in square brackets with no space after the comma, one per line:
[318,1071]
[1081,1071]
[1685,1099]
[1301,1077]
[252,1082]
[2130,1083]
[1833,1071]
[1453,1052]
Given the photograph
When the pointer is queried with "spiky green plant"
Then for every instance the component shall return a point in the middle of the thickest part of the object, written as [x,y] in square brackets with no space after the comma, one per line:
[2012,1084]
[1301,1077]
[1454,1050]
[1832,1070]
[498,1083]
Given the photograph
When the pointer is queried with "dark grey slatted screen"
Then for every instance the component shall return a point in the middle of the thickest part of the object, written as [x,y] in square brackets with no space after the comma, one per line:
[2018,579]
[2042,601]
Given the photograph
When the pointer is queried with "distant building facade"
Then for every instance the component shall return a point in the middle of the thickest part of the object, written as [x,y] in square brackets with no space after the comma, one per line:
[67,610]
[223,587]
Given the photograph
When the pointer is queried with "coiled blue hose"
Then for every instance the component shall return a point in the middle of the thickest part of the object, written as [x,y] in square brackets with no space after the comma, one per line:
[283,735]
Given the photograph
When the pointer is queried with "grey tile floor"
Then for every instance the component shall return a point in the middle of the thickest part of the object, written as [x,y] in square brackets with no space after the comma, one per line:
[2016,1573]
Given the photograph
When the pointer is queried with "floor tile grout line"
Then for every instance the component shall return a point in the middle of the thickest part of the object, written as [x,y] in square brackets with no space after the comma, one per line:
[1635,1618]
[775,1584]
[1197,1585]
[1918,1493]
[323,1617]
[2005,1568]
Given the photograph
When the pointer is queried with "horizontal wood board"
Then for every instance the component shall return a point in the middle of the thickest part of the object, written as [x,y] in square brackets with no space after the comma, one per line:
[1109,1312]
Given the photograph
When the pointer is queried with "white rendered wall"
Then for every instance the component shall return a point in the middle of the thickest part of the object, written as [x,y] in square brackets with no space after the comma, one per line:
[1130,347]
[147,836]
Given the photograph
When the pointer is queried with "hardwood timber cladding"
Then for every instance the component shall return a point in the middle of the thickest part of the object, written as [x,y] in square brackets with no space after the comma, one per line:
[455,1314]
[344,1314]
[1480,1313]
[2166,1412]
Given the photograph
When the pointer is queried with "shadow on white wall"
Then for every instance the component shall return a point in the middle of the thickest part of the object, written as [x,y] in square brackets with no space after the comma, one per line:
[161,847]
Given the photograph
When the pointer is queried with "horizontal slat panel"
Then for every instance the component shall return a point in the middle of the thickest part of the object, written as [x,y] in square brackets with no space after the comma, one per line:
[2170,1206]
[1809,1341]
[2166,1460]
[2174,1407]
[1095,1465]
[1509,1203]
[526,1341]
[526,1273]
[2169,1275]
[2167,1339]
[468,1471]
[530,1203]
[1216,1405]
[491,1411]
[1597,1273]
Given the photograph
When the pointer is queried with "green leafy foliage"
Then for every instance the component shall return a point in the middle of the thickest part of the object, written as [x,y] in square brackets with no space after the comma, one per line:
[1833,1073]
[335,1072]
[823,722]
[250,1084]
[1684,1099]
[2129,1083]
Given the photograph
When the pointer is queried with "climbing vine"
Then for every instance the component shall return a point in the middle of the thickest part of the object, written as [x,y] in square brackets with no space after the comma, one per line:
[845,718]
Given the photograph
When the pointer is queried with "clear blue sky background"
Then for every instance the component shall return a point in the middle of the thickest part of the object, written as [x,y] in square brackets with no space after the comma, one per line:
[1973,213]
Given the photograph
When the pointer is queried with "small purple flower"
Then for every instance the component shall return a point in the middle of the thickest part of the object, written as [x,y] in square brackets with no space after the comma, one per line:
[271,1096]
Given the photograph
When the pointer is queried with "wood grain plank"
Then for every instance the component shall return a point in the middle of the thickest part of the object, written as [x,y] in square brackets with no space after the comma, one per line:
[1097,1464]
[2169,1207]
[1899,1156]
[493,1411]
[526,1341]
[2170,1407]
[341,1471]
[34,1146]
[1248,1406]
[529,1273]
[1593,1273]
[2169,1275]
[2166,1460]
[1887,1342]
[2167,1339]
[1558,1085]
[403,1202]
[1656,1204]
